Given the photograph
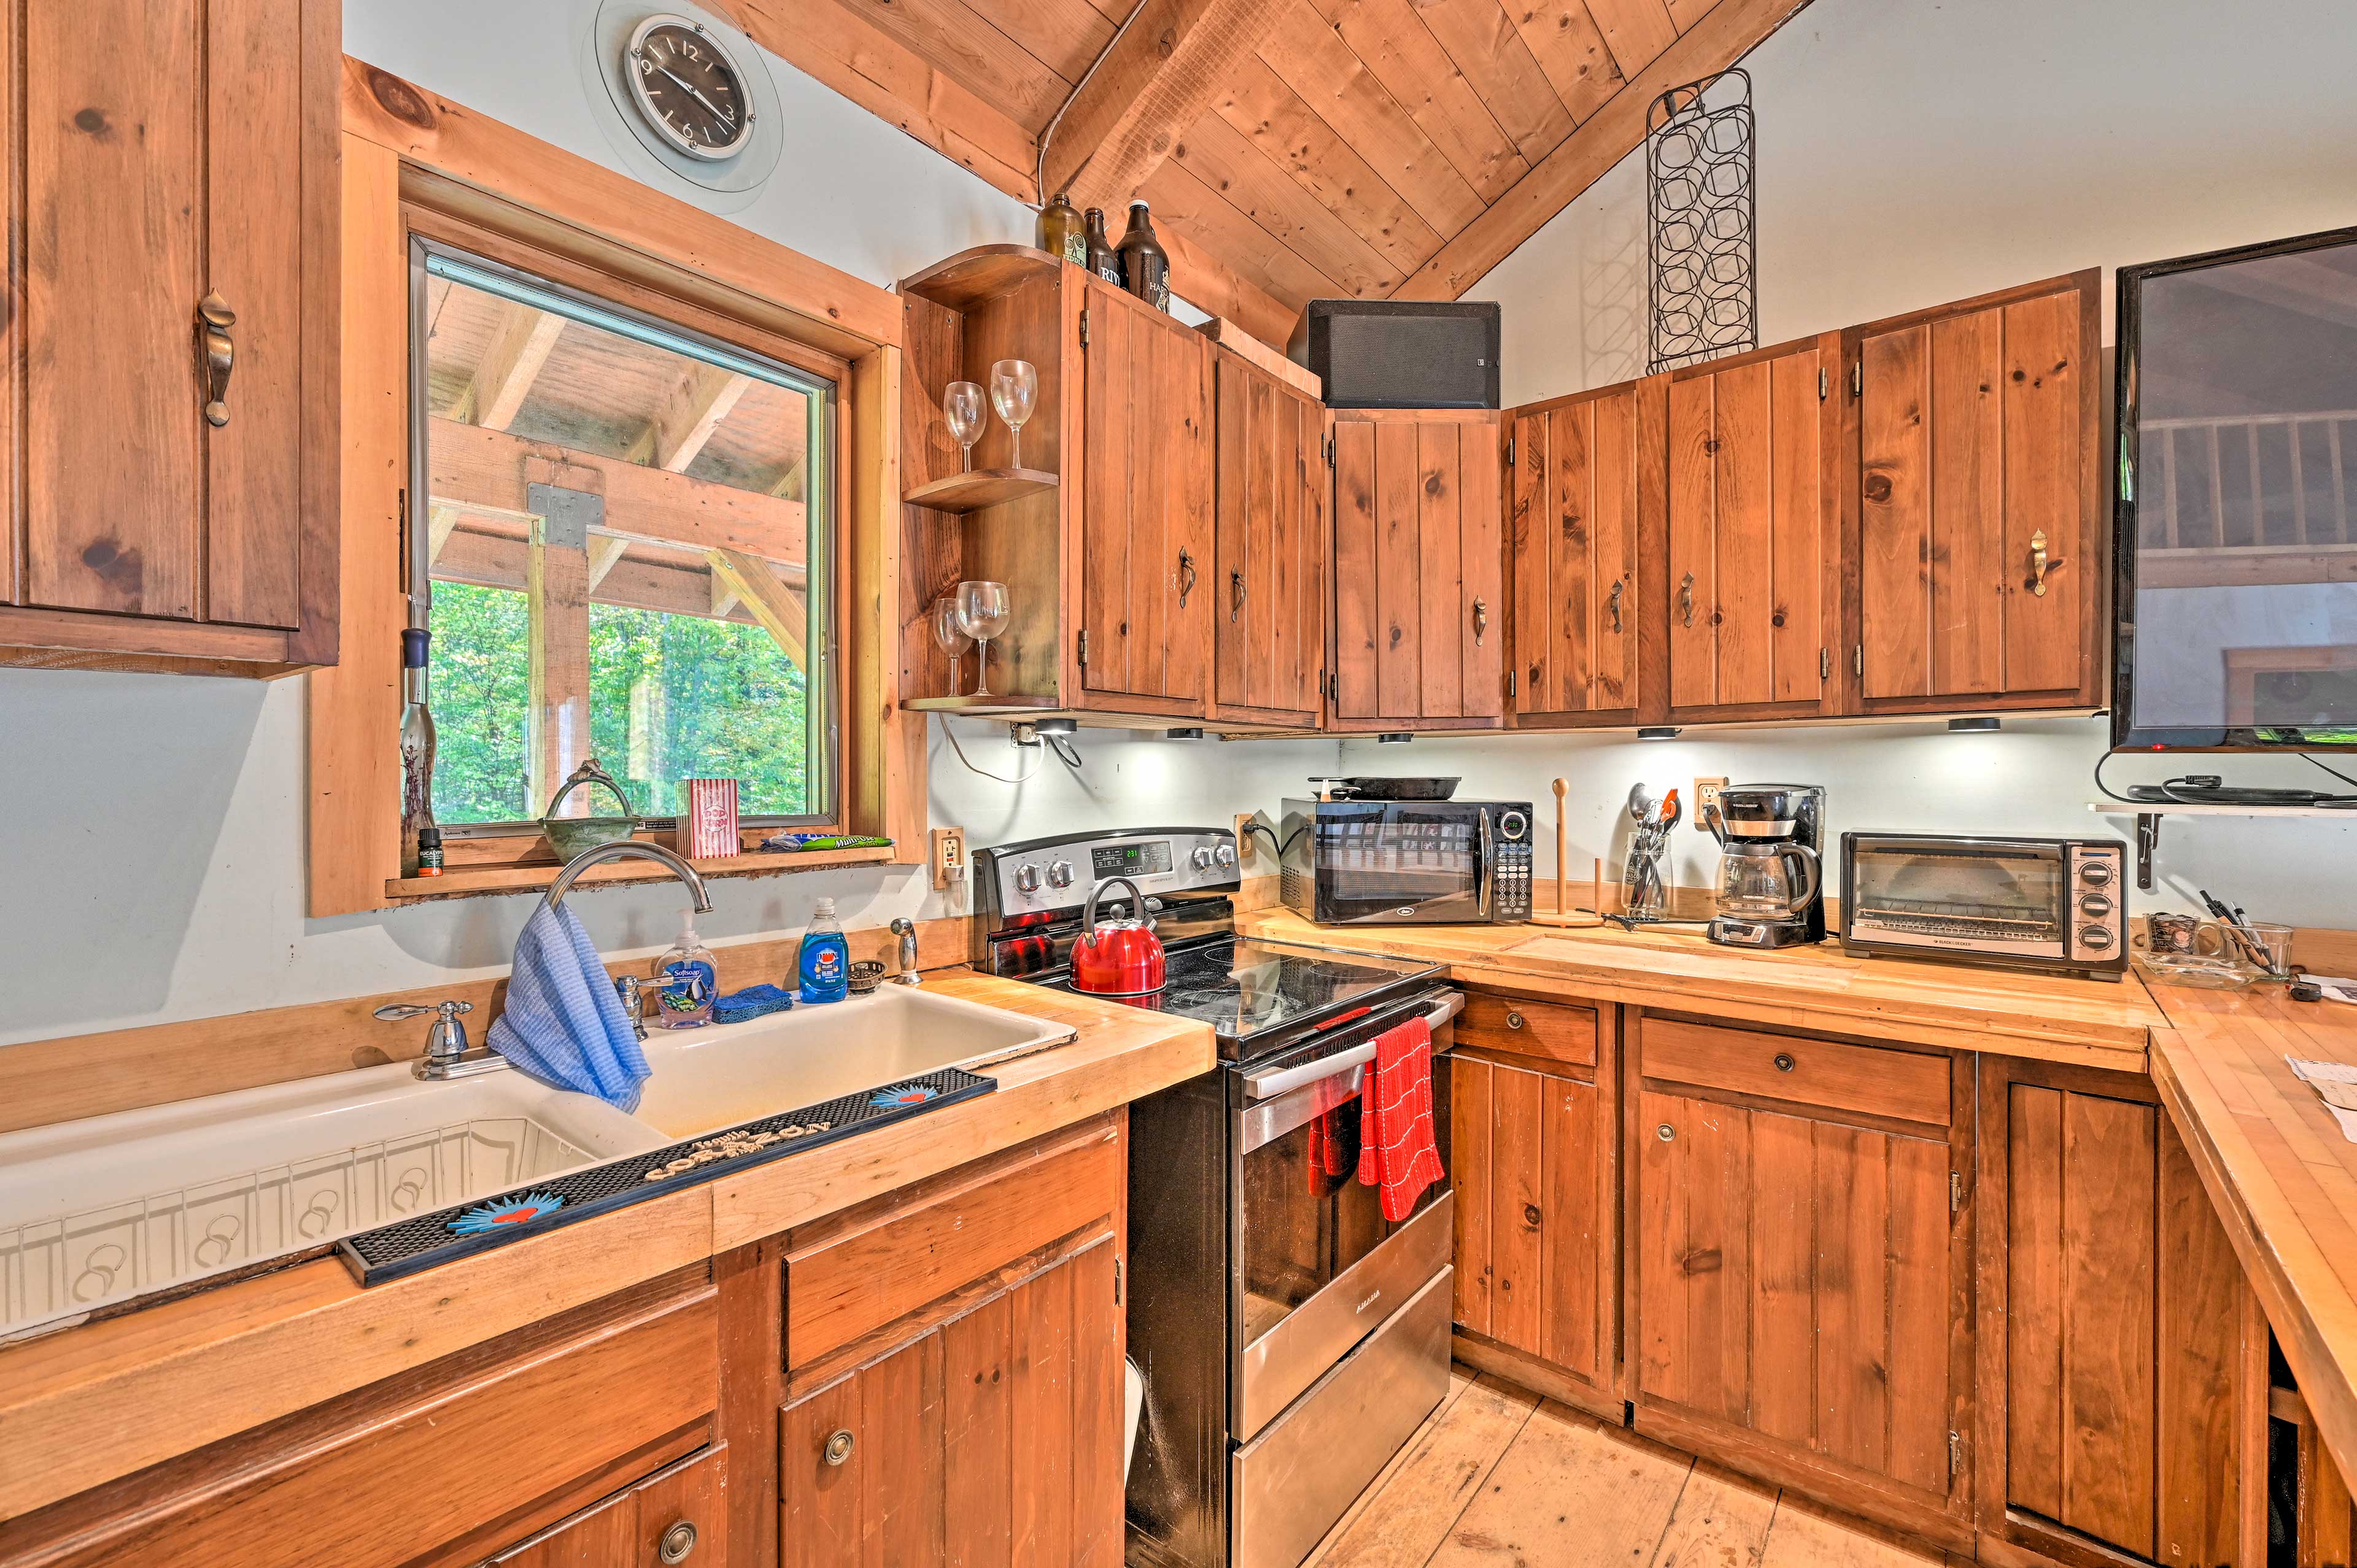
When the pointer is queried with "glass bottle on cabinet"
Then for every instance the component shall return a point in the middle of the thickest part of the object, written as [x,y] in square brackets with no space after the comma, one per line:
[1144,264]
[1061,232]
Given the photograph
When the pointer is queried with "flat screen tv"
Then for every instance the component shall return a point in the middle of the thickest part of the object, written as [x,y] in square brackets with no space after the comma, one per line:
[2236,517]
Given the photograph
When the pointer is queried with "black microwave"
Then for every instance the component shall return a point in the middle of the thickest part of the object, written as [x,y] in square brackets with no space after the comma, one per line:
[1406,862]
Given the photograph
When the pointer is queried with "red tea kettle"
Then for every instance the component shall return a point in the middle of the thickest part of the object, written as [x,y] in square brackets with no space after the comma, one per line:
[1117,957]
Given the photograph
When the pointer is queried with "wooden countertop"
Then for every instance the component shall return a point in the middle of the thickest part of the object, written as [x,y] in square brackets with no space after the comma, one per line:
[2280,1175]
[2095,1022]
[88,1404]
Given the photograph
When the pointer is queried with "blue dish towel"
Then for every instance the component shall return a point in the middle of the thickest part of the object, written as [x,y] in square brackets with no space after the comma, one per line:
[753,1002]
[563,1023]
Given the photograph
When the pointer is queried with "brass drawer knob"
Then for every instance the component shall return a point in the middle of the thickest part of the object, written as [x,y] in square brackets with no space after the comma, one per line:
[838,1447]
[1513,1020]
[1784,1061]
[1665,1132]
[676,1543]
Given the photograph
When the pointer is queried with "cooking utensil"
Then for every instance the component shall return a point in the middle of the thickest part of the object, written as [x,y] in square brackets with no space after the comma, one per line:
[1363,787]
[1117,957]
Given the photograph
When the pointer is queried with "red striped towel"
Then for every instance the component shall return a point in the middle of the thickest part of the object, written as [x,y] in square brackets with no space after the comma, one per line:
[1396,1151]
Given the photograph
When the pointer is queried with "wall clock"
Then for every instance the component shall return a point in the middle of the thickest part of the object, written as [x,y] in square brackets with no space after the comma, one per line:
[688,88]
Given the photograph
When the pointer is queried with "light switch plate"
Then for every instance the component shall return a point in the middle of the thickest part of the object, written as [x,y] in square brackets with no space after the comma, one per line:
[949,856]
[1706,795]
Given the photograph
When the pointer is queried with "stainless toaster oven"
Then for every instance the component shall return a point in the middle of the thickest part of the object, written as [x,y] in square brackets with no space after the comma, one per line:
[2050,904]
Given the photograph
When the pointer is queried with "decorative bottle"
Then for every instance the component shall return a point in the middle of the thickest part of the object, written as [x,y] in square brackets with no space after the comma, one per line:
[1104,260]
[1144,264]
[416,748]
[1060,233]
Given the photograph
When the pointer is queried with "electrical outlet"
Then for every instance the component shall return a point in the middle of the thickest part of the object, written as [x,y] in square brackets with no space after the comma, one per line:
[949,856]
[1705,796]
[1246,843]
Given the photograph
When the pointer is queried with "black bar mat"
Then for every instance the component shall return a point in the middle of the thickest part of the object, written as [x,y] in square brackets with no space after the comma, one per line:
[393,1252]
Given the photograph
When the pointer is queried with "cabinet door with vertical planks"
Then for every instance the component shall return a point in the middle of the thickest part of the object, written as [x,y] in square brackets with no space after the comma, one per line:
[1753,535]
[1419,601]
[1571,552]
[1978,495]
[1145,548]
[1268,587]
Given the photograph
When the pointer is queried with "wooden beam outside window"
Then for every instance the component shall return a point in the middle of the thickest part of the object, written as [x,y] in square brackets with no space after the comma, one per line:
[693,410]
[557,591]
[511,361]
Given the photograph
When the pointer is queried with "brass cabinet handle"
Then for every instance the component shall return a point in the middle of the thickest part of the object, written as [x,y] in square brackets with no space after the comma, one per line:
[1513,1020]
[2040,564]
[1480,620]
[1613,604]
[1665,1132]
[1186,577]
[1784,1062]
[838,1446]
[676,1543]
[1236,591]
[1685,598]
[217,355]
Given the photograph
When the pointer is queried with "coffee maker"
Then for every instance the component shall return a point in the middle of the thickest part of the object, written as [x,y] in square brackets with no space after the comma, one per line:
[1770,880]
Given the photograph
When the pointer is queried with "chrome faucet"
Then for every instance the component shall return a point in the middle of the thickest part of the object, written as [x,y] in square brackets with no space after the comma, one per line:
[906,929]
[626,849]
[633,992]
[448,1055]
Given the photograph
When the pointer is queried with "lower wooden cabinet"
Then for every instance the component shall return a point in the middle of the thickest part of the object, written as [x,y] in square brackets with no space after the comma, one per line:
[676,1517]
[2123,1359]
[1800,1260]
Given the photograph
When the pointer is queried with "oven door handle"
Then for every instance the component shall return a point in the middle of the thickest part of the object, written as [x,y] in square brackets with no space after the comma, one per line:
[1269,1085]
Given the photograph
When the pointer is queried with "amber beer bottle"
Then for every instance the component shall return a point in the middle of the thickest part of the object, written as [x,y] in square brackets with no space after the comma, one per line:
[1060,233]
[1144,264]
[1104,260]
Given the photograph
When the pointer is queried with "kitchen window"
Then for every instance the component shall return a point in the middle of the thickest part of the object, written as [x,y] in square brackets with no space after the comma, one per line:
[626,553]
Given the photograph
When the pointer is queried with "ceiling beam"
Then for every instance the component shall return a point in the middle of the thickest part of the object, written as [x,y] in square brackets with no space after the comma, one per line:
[691,412]
[1198,278]
[1725,35]
[1159,79]
[519,345]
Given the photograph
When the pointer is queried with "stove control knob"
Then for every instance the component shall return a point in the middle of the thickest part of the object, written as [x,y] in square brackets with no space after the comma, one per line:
[1026,879]
[1226,854]
[2094,905]
[1060,874]
[1202,857]
[2097,873]
[2094,938]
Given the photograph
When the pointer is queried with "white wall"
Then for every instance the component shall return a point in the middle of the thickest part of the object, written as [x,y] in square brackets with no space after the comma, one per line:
[152,850]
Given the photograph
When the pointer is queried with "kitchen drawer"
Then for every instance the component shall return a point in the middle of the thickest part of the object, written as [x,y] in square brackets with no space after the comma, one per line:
[850,1281]
[1549,1029]
[1907,1085]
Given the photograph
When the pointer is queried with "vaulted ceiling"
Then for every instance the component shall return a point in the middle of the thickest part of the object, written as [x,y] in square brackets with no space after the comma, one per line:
[1292,149]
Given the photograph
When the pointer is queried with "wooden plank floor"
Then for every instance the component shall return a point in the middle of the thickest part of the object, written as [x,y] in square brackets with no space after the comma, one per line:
[1499,1475]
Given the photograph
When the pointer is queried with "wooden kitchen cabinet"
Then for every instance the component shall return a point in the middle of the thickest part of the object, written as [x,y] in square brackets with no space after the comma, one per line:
[674,1518]
[173,484]
[1800,1264]
[2123,1358]
[1534,1167]
[1753,535]
[1977,479]
[1268,607]
[1575,471]
[1419,599]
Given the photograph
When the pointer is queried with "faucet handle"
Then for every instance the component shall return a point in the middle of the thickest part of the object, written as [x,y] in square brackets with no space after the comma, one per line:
[446,1037]
[394,1011]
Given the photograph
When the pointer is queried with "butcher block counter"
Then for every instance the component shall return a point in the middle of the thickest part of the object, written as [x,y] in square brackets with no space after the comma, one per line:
[88,1404]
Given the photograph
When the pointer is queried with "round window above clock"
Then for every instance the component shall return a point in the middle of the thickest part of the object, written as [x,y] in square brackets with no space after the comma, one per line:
[688,88]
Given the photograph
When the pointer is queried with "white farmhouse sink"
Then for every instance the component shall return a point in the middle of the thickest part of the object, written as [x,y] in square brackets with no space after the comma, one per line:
[96,1210]
[724,1074]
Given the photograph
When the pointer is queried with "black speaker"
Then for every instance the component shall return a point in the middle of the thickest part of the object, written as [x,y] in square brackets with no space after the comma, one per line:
[1397,353]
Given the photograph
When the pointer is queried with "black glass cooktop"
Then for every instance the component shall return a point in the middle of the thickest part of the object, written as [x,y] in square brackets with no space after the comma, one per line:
[1244,989]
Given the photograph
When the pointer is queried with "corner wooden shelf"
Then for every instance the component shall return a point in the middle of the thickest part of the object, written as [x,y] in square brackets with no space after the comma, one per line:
[983,488]
[490,880]
[984,272]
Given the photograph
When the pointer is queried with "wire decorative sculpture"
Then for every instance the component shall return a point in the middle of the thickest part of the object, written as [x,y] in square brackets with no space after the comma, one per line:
[1701,282]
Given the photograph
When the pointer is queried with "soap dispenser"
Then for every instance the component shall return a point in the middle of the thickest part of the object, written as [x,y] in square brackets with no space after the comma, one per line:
[824,960]
[687,981]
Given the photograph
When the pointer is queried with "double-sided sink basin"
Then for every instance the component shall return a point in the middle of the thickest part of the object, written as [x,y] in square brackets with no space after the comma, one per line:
[102,1209]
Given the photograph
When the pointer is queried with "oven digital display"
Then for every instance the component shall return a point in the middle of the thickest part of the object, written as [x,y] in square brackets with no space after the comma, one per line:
[1130,859]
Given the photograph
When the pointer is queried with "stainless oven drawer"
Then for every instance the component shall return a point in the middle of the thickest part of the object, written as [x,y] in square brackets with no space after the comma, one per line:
[1314,1335]
[1288,1485]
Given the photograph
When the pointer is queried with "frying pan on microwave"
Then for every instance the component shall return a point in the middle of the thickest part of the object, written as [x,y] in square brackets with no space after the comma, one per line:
[1362,787]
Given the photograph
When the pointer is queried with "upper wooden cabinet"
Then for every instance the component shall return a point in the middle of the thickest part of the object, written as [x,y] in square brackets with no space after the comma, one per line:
[1419,581]
[1978,481]
[1574,469]
[1268,607]
[173,437]
[1753,535]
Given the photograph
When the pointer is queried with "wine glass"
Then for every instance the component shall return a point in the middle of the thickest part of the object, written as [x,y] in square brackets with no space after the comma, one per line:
[983,612]
[962,407]
[950,636]
[1014,390]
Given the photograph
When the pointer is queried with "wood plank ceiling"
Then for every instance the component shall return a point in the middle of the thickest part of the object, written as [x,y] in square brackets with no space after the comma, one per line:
[1292,149]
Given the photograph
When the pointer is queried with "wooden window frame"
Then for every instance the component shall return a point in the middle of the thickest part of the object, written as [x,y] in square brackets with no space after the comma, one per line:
[418,166]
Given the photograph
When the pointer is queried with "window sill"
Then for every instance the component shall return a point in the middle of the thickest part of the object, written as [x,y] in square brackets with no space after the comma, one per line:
[483,881]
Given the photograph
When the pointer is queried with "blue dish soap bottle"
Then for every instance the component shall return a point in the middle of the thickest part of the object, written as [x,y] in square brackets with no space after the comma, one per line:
[824,960]
[687,981]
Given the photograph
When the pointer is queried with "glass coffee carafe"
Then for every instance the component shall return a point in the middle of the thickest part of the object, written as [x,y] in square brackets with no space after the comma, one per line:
[1766,879]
